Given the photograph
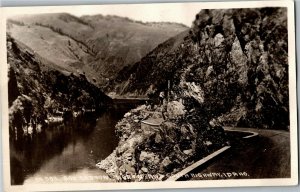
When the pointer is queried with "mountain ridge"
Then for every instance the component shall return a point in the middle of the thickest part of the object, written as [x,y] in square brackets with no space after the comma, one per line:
[99,47]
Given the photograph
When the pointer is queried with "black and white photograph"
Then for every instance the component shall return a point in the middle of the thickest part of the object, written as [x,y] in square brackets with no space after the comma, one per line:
[169,95]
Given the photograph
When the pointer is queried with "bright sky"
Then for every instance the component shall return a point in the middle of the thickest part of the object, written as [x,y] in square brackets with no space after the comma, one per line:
[168,12]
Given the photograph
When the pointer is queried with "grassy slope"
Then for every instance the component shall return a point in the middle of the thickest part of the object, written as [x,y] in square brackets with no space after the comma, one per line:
[100,46]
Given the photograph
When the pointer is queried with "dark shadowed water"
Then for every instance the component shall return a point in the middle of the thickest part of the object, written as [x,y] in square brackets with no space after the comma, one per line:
[67,152]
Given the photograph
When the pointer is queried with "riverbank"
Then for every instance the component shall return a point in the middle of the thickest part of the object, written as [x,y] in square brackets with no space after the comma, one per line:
[39,94]
[73,149]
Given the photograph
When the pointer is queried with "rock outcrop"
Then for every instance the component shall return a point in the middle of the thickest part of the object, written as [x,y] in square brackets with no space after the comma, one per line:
[153,153]
[232,60]
[231,69]
[35,91]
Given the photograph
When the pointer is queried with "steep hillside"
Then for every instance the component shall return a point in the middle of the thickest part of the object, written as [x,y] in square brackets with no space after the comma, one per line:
[98,46]
[36,92]
[231,69]
[146,73]
[238,59]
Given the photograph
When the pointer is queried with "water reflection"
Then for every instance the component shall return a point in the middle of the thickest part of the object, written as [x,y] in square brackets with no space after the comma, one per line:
[65,149]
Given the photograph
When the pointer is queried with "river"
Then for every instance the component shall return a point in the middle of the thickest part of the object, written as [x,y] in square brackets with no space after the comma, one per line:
[68,152]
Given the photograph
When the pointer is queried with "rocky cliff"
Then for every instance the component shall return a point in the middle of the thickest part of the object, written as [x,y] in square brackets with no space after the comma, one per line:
[37,91]
[237,59]
[231,69]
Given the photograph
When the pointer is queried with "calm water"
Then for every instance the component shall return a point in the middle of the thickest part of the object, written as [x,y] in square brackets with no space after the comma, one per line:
[67,153]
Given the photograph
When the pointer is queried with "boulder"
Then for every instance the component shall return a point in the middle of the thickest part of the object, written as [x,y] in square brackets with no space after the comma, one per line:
[166,165]
[149,157]
[127,115]
[188,152]
[144,169]
[166,162]
[175,109]
[218,40]
[190,89]
[158,138]
[209,70]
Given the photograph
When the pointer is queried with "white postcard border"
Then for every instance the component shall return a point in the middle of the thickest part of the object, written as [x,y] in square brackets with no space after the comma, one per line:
[164,184]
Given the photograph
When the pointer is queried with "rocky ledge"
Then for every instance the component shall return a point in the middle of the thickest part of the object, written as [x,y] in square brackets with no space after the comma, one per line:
[152,148]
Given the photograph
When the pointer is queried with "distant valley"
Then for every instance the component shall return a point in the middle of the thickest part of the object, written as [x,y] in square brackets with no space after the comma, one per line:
[97,46]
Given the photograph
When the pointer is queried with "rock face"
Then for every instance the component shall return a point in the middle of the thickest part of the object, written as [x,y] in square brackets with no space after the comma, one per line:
[234,63]
[231,69]
[155,153]
[36,91]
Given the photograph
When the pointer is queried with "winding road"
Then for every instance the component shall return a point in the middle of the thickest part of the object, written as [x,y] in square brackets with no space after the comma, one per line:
[266,155]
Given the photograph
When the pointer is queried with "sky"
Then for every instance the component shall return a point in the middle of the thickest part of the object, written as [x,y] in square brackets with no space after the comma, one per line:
[168,12]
